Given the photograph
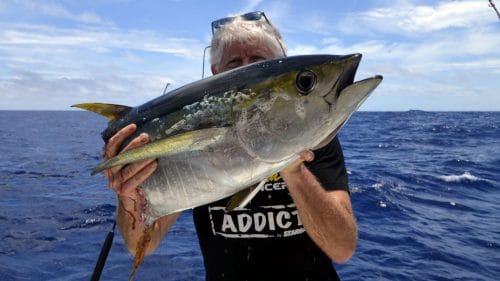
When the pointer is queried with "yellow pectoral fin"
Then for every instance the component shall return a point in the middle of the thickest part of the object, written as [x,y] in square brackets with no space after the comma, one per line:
[110,111]
[185,142]
[242,198]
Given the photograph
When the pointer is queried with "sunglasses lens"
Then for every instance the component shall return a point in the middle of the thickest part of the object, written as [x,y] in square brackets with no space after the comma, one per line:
[253,16]
[216,24]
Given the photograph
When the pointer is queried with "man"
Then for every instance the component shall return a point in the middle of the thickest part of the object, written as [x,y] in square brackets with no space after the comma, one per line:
[296,225]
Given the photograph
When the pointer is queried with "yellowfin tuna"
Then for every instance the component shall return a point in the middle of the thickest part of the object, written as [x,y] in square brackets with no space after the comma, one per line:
[218,136]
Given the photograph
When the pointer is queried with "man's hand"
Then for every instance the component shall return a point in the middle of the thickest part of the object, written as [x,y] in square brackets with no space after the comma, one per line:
[294,167]
[124,180]
[326,215]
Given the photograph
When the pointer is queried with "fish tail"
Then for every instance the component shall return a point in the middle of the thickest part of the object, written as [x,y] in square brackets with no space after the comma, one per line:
[110,111]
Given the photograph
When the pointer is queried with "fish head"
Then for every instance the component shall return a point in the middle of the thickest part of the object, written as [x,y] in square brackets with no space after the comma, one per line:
[301,105]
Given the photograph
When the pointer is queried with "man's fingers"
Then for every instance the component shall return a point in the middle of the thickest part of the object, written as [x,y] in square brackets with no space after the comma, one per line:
[137,179]
[117,176]
[125,179]
[114,143]
[138,141]
[129,171]
[307,156]
[112,174]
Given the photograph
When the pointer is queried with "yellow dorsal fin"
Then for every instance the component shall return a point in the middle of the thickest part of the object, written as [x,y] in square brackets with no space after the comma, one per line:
[111,111]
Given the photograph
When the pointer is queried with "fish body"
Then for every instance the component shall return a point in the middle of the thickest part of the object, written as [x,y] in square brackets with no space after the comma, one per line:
[220,135]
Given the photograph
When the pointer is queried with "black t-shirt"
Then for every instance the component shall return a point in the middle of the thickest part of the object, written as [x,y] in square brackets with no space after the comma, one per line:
[266,240]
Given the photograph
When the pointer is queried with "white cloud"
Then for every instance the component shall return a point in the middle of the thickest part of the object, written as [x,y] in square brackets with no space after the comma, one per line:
[62,66]
[21,88]
[58,11]
[425,52]
[251,5]
[446,15]
[303,49]
[278,13]
[24,35]
[62,51]
[407,19]
[417,37]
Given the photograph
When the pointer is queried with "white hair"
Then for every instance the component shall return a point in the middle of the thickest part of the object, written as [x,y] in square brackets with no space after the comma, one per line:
[245,31]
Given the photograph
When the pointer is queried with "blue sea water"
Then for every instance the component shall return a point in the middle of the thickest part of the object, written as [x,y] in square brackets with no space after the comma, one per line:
[425,188]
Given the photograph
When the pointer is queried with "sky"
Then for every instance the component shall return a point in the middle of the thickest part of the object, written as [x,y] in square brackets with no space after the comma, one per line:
[434,55]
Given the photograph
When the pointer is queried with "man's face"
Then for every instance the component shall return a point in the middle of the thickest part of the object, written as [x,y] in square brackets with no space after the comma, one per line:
[240,54]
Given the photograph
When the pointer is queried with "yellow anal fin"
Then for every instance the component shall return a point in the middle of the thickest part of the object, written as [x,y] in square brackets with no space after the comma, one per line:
[141,249]
[110,111]
[242,198]
[181,143]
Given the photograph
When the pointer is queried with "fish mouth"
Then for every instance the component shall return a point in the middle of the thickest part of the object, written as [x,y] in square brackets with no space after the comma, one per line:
[349,65]
[346,97]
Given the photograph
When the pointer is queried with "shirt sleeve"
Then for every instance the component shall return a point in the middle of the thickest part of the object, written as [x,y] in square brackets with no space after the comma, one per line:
[329,168]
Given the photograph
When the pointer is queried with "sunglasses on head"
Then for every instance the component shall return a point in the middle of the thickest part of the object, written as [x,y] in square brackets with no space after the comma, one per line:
[252,16]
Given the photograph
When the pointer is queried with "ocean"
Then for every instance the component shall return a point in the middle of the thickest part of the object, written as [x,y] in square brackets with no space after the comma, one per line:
[425,188]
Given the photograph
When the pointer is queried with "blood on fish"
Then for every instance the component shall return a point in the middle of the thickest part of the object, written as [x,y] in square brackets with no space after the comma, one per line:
[130,213]
[134,220]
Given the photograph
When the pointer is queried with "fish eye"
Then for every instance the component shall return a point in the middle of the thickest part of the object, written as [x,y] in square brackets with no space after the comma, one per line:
[305,82]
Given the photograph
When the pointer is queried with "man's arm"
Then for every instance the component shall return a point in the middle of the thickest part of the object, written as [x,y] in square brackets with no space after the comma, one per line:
[125,180]
[327,215]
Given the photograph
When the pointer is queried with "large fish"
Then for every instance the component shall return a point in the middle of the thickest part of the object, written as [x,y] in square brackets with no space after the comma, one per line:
[218,136]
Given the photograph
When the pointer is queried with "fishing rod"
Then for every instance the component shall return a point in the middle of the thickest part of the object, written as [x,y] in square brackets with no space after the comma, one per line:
[104,254]
[494,8]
